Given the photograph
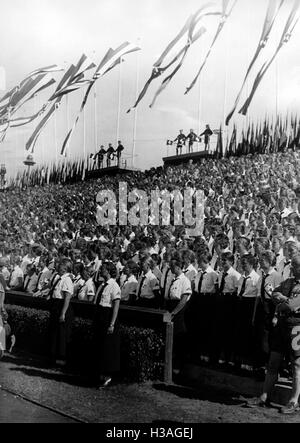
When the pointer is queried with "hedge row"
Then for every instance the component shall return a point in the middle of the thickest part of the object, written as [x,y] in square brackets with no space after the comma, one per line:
[142,350]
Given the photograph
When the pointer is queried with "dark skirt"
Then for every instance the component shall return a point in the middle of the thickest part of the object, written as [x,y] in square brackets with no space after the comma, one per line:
[180,337]
[179,319]
[60,333]
[107,346]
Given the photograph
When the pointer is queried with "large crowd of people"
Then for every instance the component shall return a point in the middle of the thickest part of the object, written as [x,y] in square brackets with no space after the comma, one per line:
[218,287]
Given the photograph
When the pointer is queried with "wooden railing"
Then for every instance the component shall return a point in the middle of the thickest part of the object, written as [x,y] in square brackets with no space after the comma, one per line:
[129,315]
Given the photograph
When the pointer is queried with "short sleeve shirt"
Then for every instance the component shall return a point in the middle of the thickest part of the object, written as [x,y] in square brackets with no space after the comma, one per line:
[64,285]
[111,293]
[180,286]
[148,285]
[129,287]
[87,291]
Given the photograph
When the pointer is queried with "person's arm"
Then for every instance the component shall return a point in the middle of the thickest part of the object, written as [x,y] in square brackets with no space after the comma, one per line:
[180,305]
[67,299]
[116,305]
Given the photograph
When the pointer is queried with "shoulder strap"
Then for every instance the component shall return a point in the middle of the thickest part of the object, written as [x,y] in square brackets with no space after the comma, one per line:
[53,287]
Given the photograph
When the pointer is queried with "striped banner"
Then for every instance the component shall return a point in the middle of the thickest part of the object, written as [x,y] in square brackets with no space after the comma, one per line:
[225,15]
[272,12]
[192,38]
[30,145]
[157,70]
[286,35]
[111,59]
[45,70]
[71,81]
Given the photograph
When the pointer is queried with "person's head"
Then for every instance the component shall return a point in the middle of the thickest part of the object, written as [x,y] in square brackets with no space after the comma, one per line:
[290,250]
[3,263]
[261,244]
[86,272]
[227,261]
[64,266]
[108,270]
[188,257]
[78,269]
[207,127]
[295,267]
[247,263]
[204,259]
[16,260]
[277,243]
[181,131]
[119,142]
[146,264]
[131,268]
[243,245]
[191,130]
[156,259]
[266,260]
[288,231]
[176,264]
[221,243]
[30,269]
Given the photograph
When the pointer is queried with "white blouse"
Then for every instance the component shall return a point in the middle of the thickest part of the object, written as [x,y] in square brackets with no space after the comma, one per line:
[111,293]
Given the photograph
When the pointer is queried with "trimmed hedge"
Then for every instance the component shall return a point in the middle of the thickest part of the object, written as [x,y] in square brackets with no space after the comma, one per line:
[142,350]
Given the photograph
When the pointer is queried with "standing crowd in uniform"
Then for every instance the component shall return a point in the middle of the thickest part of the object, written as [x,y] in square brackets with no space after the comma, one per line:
[227,291]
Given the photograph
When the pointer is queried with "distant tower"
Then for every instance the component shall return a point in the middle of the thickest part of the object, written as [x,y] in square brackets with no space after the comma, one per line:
[2,176]
[29,162]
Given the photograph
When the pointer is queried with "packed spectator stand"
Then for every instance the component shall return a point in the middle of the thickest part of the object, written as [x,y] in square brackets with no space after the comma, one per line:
[252,230]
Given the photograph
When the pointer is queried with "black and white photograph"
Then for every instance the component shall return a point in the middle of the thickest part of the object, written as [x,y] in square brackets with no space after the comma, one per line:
[150,214]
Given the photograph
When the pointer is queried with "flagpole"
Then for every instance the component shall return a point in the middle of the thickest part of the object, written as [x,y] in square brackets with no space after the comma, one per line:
[225,92]
[84,134]
[119,102]
[199,99]
[136,97]
[95,112]
[95,119]
[68,122]
[277,85]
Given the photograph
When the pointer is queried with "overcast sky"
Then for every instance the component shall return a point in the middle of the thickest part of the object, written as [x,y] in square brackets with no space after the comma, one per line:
[36,33]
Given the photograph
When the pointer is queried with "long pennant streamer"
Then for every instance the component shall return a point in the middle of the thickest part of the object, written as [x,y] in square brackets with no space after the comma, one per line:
[286,35]
[272,12]
[225,16]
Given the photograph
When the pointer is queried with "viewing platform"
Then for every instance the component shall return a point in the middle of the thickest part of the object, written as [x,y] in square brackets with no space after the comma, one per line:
[110,171]
[185,158]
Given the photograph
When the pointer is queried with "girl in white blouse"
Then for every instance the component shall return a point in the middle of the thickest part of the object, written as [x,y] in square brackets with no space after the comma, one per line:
[106,326]
[129,283]
[179,294]
[61,313]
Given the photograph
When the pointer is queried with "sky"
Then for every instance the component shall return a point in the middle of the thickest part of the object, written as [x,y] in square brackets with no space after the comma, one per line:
[36,33]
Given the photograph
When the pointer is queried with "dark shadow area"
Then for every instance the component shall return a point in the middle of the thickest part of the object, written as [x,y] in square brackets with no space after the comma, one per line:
[224,397]
[63,377]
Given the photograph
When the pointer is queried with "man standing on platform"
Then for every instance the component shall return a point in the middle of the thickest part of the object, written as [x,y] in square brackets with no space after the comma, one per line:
[207,134]
[119,150]
[192,138]
[100,157]
[180,139]
[110,155]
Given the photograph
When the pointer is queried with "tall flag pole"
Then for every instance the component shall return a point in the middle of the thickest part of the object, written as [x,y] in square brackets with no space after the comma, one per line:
[95,116]
[119,102]
[271,15]
[286,35]
[137,80]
